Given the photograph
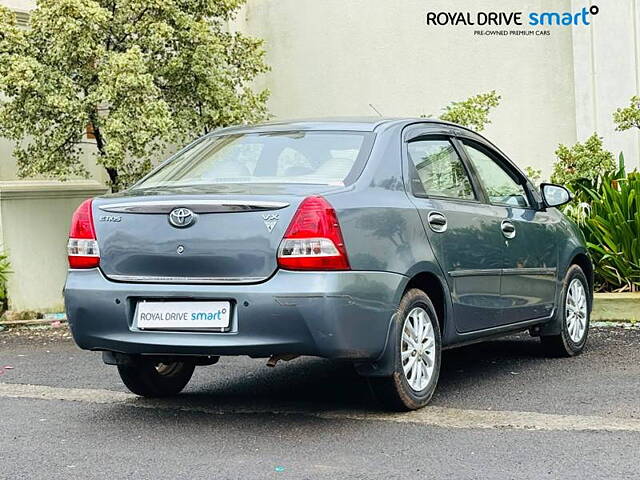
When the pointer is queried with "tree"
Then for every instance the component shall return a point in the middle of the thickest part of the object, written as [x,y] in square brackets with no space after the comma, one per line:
[582,162]
[472,112]
[136,75]
[628,117]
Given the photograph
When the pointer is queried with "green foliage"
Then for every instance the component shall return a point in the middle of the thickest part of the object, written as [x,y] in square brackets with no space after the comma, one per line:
[582,162]
[611,224]
[628,117]
[5,270]
[140,73]
[472,112]
[534,174]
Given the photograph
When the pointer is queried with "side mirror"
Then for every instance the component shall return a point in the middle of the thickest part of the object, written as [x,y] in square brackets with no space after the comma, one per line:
[554,195]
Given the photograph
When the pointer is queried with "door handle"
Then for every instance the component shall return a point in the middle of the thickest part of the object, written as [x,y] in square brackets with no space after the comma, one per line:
[437,222]
[508,229]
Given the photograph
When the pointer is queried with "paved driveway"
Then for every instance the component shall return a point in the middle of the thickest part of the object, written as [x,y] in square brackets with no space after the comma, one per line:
[502,410]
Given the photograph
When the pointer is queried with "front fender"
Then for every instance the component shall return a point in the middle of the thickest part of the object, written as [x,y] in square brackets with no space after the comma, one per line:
[574,248]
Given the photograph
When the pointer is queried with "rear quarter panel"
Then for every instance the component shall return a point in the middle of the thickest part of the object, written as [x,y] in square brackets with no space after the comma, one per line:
[382,228]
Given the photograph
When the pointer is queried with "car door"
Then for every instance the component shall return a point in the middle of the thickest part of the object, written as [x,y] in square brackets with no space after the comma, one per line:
[463,232]
[530,258]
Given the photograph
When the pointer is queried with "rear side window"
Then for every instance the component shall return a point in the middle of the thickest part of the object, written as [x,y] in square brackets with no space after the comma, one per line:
[314,157]
[500,186]
[439,170]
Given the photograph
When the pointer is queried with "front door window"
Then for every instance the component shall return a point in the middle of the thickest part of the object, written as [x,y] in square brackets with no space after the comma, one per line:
[500,186]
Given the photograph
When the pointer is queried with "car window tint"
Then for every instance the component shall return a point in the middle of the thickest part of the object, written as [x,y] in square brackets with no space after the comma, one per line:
[440,169]
[292,162]
[315,157]
[501,188]
[236,160]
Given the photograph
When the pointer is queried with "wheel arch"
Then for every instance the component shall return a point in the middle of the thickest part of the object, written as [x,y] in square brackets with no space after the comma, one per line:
[582,260]
[432,285]
[428,278]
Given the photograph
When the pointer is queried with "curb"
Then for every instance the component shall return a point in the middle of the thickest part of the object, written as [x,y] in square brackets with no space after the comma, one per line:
[616,307]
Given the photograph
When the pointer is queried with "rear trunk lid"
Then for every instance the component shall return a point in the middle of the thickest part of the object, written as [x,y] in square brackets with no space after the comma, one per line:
[232,236]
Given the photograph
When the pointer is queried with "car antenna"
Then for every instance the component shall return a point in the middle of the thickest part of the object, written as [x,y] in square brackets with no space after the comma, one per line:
[375,109]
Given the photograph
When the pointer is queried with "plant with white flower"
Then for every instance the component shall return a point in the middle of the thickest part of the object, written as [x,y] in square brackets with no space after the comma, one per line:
[578,212]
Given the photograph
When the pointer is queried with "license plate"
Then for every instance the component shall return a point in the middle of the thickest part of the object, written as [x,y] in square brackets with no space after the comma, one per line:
[183,315]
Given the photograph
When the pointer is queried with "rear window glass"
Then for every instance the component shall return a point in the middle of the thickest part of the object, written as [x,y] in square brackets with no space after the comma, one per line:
[329,158]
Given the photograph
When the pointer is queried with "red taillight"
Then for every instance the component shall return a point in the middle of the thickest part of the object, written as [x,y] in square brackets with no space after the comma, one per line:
[83,246]
[313,240]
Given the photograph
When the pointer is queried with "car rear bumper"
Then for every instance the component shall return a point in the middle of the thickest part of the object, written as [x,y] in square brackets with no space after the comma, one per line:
[327,314]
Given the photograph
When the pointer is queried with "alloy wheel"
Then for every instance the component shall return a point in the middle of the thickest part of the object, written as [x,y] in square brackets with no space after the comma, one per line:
[418,349]
[576,310]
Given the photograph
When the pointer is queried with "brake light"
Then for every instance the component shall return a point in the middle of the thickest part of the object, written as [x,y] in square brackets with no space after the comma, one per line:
[313,240]
[83,246]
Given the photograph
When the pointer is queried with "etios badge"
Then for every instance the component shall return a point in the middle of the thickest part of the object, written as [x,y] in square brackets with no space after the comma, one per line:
[181,217]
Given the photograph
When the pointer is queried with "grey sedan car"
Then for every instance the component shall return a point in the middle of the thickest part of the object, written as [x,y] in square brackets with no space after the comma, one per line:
[381,241]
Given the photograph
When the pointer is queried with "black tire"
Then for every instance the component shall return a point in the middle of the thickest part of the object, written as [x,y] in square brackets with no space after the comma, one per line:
[149,378]
[395,392]
[562,344]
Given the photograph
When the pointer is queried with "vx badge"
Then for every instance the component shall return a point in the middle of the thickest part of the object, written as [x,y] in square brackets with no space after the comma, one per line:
[271,220]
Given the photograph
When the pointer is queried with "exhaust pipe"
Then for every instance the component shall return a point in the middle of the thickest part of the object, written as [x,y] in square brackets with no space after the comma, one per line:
[274,359]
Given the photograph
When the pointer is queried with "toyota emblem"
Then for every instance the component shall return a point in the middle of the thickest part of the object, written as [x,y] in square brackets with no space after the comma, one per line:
[181,217]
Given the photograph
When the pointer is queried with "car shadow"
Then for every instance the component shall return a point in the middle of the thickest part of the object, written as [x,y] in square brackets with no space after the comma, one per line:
[316,384]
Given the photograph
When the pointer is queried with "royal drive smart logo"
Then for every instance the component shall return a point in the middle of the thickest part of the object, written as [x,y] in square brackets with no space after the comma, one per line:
[536,23]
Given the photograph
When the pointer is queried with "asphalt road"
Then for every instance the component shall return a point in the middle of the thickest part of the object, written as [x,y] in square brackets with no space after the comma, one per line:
[502,410]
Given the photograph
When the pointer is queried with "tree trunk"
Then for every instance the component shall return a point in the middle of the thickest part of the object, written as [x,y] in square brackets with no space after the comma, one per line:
[113,177]
[100,144]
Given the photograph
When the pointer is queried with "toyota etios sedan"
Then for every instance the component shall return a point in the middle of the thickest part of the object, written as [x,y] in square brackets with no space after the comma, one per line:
[380,241]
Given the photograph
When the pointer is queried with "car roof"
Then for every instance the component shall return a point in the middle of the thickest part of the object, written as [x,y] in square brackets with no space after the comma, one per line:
[357,124]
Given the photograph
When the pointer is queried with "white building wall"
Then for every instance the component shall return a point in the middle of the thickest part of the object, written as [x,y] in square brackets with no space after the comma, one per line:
[607,74]
[20,5]
[334,57]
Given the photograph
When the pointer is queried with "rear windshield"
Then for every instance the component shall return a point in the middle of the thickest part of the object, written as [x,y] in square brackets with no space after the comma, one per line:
[327,158]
